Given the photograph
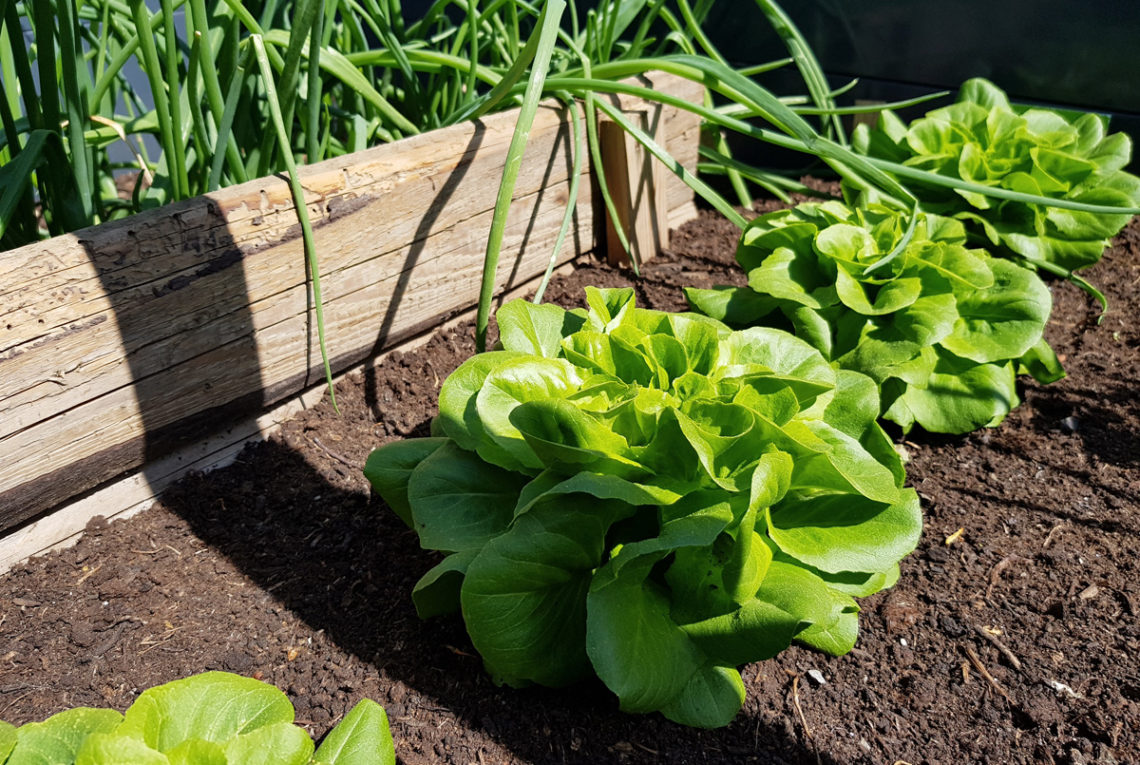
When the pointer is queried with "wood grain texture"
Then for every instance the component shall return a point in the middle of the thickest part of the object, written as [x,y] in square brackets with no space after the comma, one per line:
[136,491]
[636,184]
[122,342]
[677,130]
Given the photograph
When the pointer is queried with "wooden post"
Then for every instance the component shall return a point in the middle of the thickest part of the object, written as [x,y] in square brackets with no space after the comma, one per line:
[641,187]
[635,179]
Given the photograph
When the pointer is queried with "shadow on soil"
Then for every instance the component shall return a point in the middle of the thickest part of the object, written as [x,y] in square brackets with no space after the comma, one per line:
[344,563]
[1094,418]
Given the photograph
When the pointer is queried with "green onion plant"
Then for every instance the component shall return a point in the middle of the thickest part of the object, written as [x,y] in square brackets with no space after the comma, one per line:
[238,90]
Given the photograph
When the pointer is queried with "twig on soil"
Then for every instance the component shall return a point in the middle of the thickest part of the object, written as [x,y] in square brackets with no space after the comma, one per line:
[1008,654]
[799,709]
[973,657]
[338,457]
[1052,533]
[13,702]
[434,374]
[17,687]
[151,643]
[156,550]
[996,571]
[286,580]
[106,645]
[88,574]
[800,712]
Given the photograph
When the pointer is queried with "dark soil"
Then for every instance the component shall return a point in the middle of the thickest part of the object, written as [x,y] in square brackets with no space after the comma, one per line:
[1011,637]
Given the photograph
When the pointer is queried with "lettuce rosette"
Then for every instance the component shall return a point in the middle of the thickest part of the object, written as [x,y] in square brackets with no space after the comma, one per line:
[214,718]
[983,139]
[652,498]
[941,328]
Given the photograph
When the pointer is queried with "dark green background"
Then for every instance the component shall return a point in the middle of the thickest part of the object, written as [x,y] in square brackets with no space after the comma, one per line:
[1080,53]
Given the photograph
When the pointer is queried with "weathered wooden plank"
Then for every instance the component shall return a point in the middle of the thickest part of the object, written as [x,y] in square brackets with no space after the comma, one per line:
[267,357]
[200,269]
[122,342]
[132,493]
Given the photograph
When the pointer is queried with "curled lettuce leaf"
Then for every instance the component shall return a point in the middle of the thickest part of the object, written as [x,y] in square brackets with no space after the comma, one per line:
[651,498]
[942,329]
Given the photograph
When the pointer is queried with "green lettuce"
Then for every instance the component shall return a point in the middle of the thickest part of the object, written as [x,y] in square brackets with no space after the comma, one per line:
[214,718]
[650,498]
[941,328]
[985,140]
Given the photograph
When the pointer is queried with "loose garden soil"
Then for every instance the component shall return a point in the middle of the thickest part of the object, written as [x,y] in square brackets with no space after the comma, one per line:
[1011,637]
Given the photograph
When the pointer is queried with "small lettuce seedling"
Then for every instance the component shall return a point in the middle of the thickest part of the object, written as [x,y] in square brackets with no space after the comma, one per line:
[942,329]
[985,140]
[213,718]
[652,498]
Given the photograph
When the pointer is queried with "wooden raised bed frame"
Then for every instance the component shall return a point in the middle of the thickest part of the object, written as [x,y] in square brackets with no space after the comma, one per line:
[131,346]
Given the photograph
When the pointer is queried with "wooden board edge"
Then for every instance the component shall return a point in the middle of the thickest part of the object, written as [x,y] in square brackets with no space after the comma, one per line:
[130,495]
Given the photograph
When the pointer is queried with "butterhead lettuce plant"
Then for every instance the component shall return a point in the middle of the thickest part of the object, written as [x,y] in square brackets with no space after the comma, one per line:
[984,140]
[214,718]
[652,498]
[941,328]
